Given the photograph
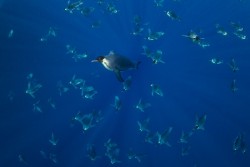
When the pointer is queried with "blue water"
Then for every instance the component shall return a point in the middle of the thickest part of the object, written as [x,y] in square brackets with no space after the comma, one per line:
[191,84]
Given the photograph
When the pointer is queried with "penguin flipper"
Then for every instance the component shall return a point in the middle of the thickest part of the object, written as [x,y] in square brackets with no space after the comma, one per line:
[118,75]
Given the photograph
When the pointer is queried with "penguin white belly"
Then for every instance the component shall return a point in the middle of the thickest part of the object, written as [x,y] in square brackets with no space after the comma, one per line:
[107,65]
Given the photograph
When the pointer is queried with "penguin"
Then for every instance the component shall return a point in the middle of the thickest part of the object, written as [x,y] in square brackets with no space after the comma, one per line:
[116,63]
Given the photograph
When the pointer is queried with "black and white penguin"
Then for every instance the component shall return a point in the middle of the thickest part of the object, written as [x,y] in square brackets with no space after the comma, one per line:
[116,63]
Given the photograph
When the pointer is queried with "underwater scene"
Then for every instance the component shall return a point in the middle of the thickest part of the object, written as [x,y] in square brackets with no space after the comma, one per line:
[124,83]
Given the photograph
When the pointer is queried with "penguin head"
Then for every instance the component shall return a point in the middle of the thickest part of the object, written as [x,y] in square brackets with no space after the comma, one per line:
[98,59]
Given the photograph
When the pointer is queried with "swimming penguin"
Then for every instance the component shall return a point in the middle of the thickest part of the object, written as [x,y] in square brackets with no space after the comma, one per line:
[116,63]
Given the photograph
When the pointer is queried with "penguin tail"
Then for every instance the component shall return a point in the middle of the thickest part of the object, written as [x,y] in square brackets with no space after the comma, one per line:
[137,64]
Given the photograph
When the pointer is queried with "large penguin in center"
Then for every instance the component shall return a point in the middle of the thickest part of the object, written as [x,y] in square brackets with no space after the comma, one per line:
[116,63]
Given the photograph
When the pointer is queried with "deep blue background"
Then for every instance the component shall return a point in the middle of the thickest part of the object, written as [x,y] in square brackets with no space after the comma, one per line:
[191,84]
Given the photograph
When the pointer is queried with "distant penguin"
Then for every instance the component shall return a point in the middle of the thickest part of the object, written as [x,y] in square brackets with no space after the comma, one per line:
[116,63]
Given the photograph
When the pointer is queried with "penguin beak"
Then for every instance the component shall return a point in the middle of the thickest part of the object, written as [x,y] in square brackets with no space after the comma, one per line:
[98,59]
